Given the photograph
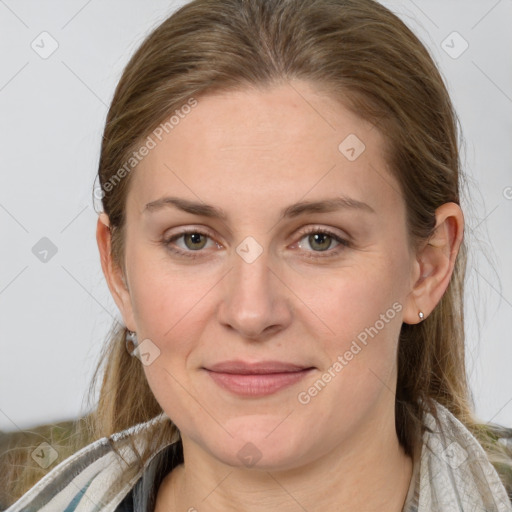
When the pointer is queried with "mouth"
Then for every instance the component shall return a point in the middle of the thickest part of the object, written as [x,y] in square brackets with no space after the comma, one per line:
[256,379]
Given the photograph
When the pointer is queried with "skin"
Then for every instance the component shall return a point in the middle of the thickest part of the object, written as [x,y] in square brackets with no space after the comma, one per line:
[253,152]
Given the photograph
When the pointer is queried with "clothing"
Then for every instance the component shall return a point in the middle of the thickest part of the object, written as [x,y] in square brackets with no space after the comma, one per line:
[451,473]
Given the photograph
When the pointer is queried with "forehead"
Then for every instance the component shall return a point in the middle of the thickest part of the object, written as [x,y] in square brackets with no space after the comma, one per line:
[289,141]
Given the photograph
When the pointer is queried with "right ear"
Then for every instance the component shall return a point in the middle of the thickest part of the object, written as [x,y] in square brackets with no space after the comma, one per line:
[116,281]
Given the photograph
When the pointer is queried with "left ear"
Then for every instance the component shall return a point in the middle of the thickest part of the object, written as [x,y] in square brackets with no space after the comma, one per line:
[434,263]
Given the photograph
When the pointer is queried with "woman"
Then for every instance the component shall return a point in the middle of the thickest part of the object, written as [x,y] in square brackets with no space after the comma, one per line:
[282,234]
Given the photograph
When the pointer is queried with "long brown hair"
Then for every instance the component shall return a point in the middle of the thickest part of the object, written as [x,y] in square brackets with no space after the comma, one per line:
[365,56]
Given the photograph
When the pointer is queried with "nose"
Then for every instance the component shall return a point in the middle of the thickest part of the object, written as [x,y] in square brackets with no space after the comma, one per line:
[255,302]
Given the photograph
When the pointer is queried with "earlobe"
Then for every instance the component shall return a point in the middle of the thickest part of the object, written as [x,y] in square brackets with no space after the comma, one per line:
[112,272]
[434,263]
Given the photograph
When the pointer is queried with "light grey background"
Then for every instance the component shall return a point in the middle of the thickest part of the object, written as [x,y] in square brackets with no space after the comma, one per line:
[55,315]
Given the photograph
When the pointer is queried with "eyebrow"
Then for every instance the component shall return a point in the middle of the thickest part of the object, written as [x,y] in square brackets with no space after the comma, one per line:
[294,210]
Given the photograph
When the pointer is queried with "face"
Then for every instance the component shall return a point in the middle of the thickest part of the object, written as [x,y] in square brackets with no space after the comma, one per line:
[299,262]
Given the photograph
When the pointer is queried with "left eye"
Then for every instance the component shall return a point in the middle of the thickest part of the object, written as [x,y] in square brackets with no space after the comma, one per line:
[319,241]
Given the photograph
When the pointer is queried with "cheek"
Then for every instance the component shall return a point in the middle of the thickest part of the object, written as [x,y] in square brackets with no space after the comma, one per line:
[164,297]
[361,313]
[346,301]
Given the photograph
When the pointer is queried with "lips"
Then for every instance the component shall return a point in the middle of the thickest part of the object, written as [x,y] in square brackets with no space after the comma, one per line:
[257,368]
[256,379]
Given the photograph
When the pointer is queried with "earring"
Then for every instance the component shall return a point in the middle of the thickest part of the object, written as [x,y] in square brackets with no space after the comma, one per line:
[421,315]
[131,342]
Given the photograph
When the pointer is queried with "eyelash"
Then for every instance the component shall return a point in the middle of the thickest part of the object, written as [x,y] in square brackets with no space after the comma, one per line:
[343,244]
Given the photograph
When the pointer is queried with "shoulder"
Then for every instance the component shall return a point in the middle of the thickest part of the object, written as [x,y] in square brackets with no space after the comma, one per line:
[502,437]
[97,477]
[458,467]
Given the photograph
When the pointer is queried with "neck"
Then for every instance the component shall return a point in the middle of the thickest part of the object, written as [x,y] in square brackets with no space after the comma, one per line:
[374,476]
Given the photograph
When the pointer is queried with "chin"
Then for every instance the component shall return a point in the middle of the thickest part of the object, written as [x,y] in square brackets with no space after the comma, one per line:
[260,445]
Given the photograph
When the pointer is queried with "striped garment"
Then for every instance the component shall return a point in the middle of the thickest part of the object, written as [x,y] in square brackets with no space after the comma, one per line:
[451,473]
[95,477]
